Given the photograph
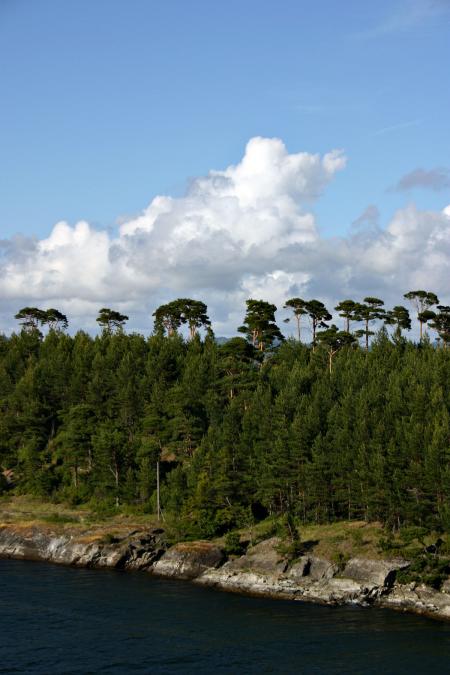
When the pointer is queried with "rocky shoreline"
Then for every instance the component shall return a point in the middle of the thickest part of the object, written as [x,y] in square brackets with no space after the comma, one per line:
[262,570]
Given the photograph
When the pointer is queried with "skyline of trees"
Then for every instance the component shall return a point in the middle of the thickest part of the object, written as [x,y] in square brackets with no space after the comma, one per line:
[260,322]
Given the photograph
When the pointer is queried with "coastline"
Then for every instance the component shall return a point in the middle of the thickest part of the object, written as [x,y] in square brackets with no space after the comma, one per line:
[262,570]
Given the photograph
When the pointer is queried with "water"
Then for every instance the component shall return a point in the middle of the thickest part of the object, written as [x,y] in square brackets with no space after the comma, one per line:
[60,620]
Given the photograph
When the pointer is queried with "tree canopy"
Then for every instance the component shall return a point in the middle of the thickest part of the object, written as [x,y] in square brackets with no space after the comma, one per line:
[111,320]
[323,432]
[183,311]
[259,324]
[422,301]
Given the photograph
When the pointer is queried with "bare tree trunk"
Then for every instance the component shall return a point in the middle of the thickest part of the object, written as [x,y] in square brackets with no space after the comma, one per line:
[158,504]
[115,472]
[330,359]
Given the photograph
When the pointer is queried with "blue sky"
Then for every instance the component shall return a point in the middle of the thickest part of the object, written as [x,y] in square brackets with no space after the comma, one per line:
[107,103]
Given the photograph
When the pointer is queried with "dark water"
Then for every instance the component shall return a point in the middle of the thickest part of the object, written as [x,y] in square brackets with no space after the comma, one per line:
[59,620]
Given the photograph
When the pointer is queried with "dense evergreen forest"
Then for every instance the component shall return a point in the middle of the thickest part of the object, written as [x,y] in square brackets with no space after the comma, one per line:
[258,425]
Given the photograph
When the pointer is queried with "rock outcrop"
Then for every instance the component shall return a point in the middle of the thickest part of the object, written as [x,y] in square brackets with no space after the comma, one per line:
[189,560]
[262,570]
[263,558]
[136,550]
[380,573]
[419,599]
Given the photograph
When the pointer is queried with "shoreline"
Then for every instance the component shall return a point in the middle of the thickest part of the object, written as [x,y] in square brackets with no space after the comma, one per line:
[261,571]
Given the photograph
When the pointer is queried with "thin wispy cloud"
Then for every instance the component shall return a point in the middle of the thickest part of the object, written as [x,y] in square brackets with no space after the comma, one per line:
[406,16]
[437,179]
[397,127]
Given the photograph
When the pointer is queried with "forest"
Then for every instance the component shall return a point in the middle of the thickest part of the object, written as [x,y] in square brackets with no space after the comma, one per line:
[353,424]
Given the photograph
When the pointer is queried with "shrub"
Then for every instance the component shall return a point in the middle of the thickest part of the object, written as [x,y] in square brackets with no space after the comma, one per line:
[233,544]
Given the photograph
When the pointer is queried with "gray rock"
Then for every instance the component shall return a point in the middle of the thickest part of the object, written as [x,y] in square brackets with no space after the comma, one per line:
[189,560]
[131,552]
[142,551]
[446,586]
[327,591]
[262,558]
[299,569]
[336,591]
[375,572]
[319,568]
[421,600]
[246,581]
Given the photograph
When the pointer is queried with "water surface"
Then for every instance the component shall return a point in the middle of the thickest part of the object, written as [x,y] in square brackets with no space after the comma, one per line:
[62,620]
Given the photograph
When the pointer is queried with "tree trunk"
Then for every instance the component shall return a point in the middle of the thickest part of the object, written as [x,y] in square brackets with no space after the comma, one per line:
[158,504]
[115,472]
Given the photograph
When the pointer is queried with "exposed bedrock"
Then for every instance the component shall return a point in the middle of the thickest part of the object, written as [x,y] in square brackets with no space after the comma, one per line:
[263,570]
[189,560]
[136,550]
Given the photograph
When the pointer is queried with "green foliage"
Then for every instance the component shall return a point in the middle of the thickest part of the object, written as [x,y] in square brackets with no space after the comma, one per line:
[109,538]
[298,308]
[103,508]
[3,484]
[183,311]
[340,559]
[426,568]
[233,545]
[259,324]
[287,529]
[111,320]
[318,315]
[238,438]
[60,518]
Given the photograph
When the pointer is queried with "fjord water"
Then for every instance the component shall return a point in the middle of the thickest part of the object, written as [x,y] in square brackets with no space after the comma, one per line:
[60,620]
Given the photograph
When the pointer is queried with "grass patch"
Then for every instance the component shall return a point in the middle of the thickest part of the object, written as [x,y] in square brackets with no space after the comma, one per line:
[60,518]
[23,510]
[343,540]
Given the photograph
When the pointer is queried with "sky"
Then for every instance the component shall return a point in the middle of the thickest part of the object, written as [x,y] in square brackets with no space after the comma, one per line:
[221,150]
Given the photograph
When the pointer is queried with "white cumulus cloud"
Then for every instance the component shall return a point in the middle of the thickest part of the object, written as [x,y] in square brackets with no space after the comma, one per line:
[248,230]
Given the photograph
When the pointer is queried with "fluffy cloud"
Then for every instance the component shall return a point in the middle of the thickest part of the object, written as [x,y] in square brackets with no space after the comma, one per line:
[248,230]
